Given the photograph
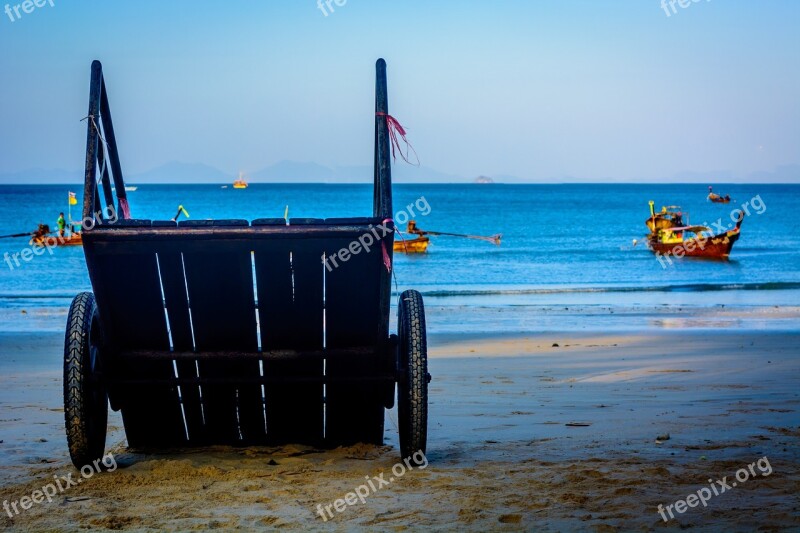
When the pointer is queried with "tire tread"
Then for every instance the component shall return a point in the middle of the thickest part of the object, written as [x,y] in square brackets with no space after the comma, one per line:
[84,444]
[413,389]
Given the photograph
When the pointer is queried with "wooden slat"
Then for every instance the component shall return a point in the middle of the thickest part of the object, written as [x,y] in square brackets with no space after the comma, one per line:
[142,239]
[354,412]
[92,141]
[290,299]
[113,152]
[382,204]
[177,304]
[222,304]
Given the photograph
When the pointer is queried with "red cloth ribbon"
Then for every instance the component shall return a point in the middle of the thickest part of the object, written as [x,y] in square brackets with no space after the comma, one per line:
[125,208]
[387,261]
[395,130]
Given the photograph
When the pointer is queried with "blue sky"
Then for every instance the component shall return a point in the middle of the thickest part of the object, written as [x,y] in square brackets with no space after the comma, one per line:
[535,89]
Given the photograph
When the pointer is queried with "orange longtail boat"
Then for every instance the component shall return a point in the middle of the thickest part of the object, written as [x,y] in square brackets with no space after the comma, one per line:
[718,198]
[419,244]
[692,241]
[44,237]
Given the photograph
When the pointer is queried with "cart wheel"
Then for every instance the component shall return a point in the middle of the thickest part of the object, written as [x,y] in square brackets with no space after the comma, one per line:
[412,388]
[85,395]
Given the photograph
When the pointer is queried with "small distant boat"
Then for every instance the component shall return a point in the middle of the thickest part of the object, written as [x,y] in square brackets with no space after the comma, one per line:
[669,217]
[240,183]
[130,188]
[716,198]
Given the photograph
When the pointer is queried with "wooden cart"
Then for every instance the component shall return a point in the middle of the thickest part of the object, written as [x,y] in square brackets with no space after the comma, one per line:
[233,331]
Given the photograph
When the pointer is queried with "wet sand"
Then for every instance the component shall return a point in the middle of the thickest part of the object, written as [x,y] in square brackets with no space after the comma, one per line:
[524,435]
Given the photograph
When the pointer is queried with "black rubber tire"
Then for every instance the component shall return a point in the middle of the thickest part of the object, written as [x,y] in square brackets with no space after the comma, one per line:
[85,395]
[412,387]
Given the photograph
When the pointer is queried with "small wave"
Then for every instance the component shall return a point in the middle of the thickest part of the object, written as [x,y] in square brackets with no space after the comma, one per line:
[39,296]
[690,287]
[443,293]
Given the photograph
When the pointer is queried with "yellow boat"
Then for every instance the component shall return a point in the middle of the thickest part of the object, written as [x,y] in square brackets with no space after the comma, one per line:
[240,183]
[412,246]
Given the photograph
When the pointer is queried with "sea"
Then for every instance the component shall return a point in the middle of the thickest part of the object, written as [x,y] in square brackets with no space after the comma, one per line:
[572,256]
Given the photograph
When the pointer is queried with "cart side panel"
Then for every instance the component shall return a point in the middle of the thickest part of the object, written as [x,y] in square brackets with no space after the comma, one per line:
[290,303]
[222,303]
[354,412]
[128,292]
[207,275]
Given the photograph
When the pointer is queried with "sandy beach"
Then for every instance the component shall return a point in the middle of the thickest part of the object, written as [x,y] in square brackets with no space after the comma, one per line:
[548,431]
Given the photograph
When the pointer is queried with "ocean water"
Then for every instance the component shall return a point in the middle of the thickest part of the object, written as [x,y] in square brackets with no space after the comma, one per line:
[563,246]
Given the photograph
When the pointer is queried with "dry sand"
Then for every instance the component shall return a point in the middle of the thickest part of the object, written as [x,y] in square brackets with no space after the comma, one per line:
[523,436]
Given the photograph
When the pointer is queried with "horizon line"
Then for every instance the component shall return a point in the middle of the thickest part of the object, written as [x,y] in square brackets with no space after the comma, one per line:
[223,183]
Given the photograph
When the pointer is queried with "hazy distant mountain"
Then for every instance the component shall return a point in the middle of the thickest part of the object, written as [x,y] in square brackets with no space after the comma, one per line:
[281,172]
[782,174]
[309,172]
[41,176]
[294,172]
[177,172]
[718,176]
[403,173]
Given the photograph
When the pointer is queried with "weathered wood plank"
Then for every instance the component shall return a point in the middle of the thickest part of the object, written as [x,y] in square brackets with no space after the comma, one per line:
[222,302]
[354,412]
[177,305]
[290,300]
